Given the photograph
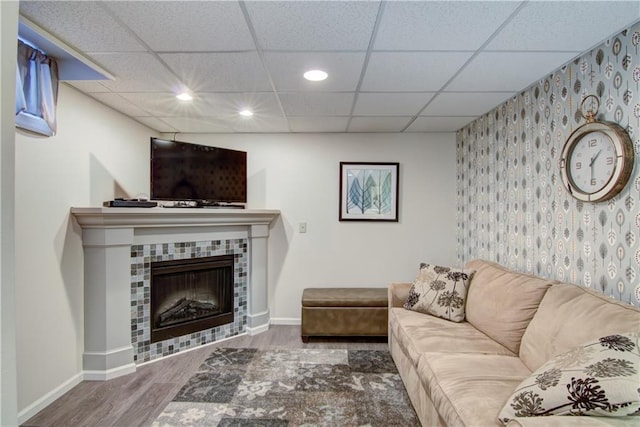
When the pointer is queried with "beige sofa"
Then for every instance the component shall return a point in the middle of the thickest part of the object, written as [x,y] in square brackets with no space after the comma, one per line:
[462,374]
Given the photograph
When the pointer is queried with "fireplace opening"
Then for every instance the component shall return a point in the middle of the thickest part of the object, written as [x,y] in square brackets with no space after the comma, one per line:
[190,295]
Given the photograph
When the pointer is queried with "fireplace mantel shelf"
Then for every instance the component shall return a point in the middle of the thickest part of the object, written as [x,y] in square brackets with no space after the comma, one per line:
[108,235]
[102,217]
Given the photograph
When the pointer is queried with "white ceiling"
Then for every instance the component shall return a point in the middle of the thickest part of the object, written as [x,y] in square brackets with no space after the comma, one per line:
[394,66]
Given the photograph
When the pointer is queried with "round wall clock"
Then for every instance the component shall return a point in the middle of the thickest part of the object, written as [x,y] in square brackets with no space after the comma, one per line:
[597,158]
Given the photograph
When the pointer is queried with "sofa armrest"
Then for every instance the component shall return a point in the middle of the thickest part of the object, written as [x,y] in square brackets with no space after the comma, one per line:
[562,420]
[398,293]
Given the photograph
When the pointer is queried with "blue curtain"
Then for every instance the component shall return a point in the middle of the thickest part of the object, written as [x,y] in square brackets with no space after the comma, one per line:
[36,85]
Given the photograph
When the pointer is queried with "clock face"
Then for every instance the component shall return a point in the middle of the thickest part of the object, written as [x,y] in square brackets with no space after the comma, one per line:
[592,162]
[597,161]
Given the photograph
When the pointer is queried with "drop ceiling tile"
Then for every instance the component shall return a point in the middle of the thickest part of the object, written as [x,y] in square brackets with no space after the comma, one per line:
[287,70]
[378,124]
[317,25]
[87,86]
[156,124]
[439,124]
[464,104]
[318,124]
[165,104]
[215,72]
[121,104]
[186,26]
[136,72]
[222,111]
[486,71]
[411,71]
[391,104]
[440,25]
[317,103]
[84,25]
[259,124]
[197,125]
[543,25]
[263,104]
[221,106]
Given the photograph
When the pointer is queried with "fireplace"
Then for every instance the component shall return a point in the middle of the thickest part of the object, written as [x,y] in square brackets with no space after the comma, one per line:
[190,295]
[120,244]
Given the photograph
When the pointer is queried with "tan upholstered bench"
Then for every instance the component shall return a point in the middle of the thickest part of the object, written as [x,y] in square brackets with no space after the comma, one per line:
[344,312]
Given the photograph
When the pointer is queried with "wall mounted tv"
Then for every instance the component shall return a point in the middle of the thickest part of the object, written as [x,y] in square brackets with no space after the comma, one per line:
[181,171]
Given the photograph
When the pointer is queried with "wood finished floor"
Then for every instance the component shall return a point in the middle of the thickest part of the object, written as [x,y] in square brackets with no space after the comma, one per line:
[137,399]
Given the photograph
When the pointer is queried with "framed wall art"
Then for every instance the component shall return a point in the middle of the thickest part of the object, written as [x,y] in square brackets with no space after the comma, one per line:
[369,191]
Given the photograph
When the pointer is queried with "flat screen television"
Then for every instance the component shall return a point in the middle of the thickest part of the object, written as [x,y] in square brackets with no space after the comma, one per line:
[182,171]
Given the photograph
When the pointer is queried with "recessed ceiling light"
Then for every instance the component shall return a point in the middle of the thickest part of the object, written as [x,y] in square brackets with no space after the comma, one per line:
[315,75]
[246,113]
[184,96]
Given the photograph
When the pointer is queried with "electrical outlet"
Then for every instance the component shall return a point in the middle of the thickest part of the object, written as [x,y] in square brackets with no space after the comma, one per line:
[302,227]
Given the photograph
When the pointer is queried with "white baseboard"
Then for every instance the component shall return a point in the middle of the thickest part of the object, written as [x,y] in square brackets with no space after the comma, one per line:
[49,398]
[286,321]
[109,374]
[258,329]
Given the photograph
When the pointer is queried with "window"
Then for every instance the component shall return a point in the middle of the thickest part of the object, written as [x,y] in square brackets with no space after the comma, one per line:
[36,90]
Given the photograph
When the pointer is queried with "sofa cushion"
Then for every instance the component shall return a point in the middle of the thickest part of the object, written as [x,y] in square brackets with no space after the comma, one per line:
[439,291]
[470,389]
[570,315]
[501,302]
[418,333]
[575,422]
[598,378]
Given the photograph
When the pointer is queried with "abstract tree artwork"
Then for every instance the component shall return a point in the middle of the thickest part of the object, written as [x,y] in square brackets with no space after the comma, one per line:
[368,191]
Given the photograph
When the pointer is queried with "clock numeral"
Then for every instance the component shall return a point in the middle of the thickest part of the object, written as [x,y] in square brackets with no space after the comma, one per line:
[593,142]
[609,160]
[593,181]
[579,165]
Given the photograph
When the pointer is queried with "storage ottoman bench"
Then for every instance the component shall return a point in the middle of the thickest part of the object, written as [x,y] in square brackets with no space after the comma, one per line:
[344,312]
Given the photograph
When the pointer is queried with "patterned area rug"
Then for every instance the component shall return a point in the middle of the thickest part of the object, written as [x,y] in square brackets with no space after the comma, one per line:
[250,387]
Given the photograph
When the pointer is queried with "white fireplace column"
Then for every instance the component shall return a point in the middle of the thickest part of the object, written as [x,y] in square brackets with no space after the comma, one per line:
[258,317]
[107,237]
[108,352]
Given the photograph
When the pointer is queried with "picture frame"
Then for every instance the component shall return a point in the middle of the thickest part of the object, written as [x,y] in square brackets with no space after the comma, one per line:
[369,191]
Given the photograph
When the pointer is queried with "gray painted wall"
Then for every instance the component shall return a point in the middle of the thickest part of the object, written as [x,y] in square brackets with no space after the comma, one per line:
[8,34]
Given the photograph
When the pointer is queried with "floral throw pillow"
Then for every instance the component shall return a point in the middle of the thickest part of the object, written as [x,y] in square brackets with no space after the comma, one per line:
[440,291]
[600,378]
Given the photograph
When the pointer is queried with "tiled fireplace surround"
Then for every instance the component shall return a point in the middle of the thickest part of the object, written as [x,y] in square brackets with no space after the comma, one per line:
[119,245]
[141,258]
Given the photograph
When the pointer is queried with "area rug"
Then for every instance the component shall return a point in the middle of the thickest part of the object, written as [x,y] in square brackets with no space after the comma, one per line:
[301,387]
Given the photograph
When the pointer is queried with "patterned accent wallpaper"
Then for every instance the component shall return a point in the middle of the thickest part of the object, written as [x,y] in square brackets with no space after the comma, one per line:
[512,206]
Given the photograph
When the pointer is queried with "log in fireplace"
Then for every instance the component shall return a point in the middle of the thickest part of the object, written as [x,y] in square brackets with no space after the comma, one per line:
[190,295]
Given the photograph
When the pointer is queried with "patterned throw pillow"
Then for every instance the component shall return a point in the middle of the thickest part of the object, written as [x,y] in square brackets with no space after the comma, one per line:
[440,291]
[600,378]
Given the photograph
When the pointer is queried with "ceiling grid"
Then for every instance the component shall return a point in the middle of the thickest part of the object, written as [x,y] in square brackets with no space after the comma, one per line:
[394,66]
